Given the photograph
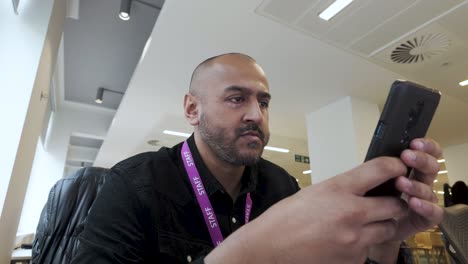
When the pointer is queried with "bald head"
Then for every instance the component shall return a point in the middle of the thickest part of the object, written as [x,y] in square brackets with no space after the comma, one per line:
[213,65]
[228,105]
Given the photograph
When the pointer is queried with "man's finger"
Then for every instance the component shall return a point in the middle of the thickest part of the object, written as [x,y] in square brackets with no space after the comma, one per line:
[431,212]
[427,145]
[414,188]
[425,165]
[371,174]
[377,209]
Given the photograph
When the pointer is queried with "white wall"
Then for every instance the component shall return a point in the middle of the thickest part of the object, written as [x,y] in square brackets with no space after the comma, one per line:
[28,51]
[365,117]
[339,135]
[456,162]
[49,163]
[22,42]
[332,144]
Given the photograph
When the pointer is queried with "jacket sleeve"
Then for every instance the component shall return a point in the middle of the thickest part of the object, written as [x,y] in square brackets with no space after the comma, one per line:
[114,231]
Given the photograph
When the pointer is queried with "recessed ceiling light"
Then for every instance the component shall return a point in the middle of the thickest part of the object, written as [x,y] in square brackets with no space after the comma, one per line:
[464,83]
[334,9]
[307,172]
[441,160]
[175,133]
[442,172]
[277,149]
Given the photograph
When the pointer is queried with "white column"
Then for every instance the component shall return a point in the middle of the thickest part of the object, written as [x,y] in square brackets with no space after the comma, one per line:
[339,135]
[456,163]
[28,53]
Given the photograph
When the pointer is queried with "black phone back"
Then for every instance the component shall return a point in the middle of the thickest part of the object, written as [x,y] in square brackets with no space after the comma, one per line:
[407,115]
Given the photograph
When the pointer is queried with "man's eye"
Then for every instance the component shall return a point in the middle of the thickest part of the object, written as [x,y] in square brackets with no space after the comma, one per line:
[236,99]
[264,104]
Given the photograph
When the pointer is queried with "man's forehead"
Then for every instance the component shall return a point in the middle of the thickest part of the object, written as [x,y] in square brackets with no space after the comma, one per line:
[229,69]
[232,66]
[230,62]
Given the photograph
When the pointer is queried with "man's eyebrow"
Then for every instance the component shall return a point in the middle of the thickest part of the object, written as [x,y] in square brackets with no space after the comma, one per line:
[237,88]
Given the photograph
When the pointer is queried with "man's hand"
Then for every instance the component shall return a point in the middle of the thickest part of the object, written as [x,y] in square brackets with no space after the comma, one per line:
[331,222]
[423,210]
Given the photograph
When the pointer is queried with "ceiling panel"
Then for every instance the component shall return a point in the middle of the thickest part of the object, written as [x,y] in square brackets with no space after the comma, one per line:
[82,141]
[313,25]
[408,20]
[456,22]
[373,29]
[442,71]
[286,11]
[365,19]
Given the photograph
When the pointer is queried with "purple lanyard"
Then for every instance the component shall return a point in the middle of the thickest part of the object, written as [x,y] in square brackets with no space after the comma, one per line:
[203,200]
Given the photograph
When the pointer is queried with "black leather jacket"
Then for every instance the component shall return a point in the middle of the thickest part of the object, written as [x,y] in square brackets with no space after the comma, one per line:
[64,215]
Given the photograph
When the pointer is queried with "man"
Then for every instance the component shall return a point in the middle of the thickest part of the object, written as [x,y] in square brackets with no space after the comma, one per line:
[213,199]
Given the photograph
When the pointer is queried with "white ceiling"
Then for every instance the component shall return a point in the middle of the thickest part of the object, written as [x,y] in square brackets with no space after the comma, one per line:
[308,68]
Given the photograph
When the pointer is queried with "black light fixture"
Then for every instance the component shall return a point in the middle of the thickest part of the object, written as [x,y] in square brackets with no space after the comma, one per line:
[100,94]
[125,6]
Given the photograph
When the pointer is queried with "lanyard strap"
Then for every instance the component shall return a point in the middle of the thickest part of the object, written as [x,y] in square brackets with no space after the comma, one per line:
[209,215]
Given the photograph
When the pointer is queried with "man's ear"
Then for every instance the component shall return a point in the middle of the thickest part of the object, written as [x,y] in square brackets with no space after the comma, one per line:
[191,110]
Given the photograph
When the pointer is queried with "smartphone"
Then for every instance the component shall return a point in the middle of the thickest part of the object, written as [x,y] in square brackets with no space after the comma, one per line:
[407,115]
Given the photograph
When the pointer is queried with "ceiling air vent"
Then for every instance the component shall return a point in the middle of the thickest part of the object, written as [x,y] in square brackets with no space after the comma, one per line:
[420,49]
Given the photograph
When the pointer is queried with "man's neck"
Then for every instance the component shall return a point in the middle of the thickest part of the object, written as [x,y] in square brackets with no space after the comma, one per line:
[227,174]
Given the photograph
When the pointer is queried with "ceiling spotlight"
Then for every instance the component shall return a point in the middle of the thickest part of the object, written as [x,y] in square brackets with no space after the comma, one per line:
[125,6]
[99,95]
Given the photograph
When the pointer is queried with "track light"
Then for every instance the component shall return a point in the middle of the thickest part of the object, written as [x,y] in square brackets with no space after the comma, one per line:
[100,94]
[125,6]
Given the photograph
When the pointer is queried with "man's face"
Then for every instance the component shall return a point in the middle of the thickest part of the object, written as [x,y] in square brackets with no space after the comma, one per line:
[234,103]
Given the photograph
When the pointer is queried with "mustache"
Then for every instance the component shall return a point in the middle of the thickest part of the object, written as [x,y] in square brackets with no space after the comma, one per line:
[251,128]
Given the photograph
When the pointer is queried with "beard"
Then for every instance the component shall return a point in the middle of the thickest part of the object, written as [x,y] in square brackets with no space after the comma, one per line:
[225,148]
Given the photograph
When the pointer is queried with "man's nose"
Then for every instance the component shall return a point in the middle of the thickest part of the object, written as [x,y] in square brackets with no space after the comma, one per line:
[254,113]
